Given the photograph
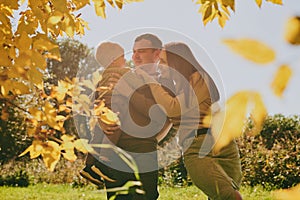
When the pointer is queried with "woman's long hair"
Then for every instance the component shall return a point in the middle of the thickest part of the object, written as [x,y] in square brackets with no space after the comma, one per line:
[181,58]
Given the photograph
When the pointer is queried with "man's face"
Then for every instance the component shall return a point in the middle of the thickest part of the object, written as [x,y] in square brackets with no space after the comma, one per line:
[143,53]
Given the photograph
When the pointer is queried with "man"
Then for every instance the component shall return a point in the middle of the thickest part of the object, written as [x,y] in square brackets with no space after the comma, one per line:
[139,130]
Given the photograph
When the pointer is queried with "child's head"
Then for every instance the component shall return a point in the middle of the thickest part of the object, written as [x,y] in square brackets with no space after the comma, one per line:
[110,54]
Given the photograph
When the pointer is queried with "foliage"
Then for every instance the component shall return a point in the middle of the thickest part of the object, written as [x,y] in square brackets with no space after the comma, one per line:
[20,179]
[220,9]
[25,47]
[66,172]
[271,159]
[13,139]
[75,57]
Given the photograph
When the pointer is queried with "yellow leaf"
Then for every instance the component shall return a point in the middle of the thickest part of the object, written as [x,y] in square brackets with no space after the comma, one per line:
[27,23]
[13,4]
[20,88]
[109,117]
[287,194]
[83,146]
[35,149]
[89,84]
[230,3]
[55,18]
[100,8]
[68,147]
[119,3]
[22,64]
[292,30]
[66,138]
[98,109]
[60,5]
[258,113]
[207,13]
[42,42]
[35,76]
[24,41]
[111,3]
[96,77]
[36,113]
[252,50]
[222,19]
[51,154]
[229,123]
[80,3]
[54,54]
[68,25]
[258,2]
[69,155]
[38,60]
[33,127]
[281,79]
[5,60]
[276,1]
[6,87]
[61,90]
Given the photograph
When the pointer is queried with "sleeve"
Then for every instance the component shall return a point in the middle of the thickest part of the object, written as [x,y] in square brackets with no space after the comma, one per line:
[176,106]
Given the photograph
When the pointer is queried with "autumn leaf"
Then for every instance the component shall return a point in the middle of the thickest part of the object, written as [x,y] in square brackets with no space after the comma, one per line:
[252,50]
[109,117]
[35,149]
[229,122]
[119,3]
[276,1]
[96,77]
[281,80]
[292,30]
[23,42]
[80,3]
[83,146]
[99,6]
[216,9]
[67,147]
[51,154]
[258,2]
[55,18]
[36,113]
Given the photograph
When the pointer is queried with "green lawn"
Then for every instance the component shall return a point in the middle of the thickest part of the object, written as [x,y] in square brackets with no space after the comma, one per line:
[66,192]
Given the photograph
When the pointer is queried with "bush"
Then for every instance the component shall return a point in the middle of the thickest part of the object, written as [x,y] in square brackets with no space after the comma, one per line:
[272,159]
[13,139]
[19,179]
[65,172]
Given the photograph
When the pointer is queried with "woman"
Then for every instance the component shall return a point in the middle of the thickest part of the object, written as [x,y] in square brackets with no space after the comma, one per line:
[218,176]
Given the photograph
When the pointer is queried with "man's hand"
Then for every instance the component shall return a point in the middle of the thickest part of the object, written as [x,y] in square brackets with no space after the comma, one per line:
[108,129]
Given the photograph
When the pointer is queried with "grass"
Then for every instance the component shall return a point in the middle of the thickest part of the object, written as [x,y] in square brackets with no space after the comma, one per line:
[67,192]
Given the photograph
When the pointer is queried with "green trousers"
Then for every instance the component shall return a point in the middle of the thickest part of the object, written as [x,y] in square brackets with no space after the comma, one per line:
[217,175]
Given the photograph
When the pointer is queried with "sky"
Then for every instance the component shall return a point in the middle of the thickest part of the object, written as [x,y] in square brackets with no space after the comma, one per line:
[178,20]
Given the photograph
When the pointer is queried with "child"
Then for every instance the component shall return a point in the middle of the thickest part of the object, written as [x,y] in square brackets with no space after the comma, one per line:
[110,56]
